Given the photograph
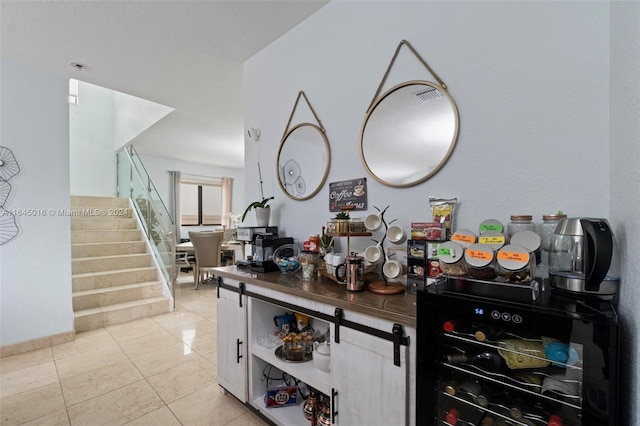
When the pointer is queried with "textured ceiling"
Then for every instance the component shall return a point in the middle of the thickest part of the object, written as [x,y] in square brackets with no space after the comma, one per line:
[184,54]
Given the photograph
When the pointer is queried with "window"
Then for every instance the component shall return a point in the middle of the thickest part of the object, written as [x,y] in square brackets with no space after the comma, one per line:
[201,202]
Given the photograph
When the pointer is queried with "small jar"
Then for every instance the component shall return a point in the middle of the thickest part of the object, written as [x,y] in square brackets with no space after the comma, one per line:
[480,260]
[490,225]
[464,237]
[314,243]
[451,258]
[548,228]
[494,239]
[519,223]
[515,264]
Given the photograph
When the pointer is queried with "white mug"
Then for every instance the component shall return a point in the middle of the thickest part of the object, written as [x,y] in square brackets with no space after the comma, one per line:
[373,254]
[372,222]
[393,269]
[396,234]
[338,259]
[328,258]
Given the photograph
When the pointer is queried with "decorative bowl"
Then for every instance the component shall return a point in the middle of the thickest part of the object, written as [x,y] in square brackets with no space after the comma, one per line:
[287,257]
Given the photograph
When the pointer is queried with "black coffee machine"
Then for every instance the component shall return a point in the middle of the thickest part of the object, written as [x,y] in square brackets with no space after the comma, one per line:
[248,236]
[264,246]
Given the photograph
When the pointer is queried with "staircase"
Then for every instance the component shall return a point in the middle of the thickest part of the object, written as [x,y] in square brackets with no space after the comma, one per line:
[114,279]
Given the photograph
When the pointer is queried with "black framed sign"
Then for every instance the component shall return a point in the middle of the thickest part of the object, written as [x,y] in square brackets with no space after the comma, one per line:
[348,193]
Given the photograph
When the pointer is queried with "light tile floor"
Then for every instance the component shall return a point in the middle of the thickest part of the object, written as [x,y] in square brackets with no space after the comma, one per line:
[153,371]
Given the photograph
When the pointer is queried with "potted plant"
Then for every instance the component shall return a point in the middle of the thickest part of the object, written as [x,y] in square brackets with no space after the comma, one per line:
[262,207]
[342,222]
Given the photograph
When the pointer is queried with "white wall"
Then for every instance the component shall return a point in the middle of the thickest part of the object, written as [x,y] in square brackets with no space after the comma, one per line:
[35,267]
[532,85]
[625,185]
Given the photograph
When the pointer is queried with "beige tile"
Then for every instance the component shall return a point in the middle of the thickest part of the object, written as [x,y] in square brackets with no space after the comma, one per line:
[162,416]
[28,379]
[184,379]
[100,381]
[214,408]
[116,407]
[32,404]
[59,418]
[177,318]
[247,419]
[133,329]
[188,332]
[164,359]
[149,343]
[205,344]
[88,361]
[24,360]
[85,342]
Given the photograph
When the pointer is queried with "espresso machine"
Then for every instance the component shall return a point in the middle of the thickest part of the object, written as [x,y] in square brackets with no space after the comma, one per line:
[265,244]
[247,235]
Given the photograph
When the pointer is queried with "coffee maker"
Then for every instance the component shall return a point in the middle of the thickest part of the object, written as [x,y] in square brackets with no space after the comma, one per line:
[265,244]
[583,260]
[248,234]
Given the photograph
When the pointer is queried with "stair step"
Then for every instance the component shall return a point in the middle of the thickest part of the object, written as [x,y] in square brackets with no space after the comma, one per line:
[81,236]
[113,278]
[107,249]
[105,263]
[90,319]
[79,201]
[101,297]
[103,223]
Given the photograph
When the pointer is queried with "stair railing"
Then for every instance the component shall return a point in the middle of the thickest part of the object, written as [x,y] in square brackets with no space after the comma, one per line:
[134,182]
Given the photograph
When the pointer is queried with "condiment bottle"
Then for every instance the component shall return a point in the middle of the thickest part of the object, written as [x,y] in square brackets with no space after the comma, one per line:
[314,243]
[519,223]
[451,258]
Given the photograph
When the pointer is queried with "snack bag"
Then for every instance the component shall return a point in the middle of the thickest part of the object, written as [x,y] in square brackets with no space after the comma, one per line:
[442,212]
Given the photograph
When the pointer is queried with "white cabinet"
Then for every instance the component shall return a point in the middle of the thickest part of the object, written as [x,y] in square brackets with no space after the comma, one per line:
[232,343]
[370,389]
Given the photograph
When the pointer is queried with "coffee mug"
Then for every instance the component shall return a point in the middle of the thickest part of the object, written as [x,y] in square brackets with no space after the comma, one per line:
[393,269]
[373,254]
[396,234]
[372,222]
[338,259]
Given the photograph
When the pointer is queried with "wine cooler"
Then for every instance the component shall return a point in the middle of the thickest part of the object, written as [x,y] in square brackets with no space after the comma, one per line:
[481,360]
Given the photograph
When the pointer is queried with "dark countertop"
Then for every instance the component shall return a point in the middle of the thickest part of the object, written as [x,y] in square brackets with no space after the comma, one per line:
[400,308]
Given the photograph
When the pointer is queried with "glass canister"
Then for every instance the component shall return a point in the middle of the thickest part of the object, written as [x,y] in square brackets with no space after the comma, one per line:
[515,264]
[451,258]
[494,239]
[481,263]
[464,237]
[529,240]
[519,223]
[548,228]
[490,225]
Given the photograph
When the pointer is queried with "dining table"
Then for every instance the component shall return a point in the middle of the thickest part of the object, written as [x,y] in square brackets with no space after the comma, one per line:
[227,246]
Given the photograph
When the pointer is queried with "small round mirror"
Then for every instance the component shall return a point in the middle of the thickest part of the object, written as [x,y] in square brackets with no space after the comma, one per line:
[409,133]
[303,161]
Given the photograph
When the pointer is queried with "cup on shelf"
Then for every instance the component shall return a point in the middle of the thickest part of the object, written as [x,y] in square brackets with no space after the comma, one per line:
[373,254]
[372,222]
[393,269]
[396,234]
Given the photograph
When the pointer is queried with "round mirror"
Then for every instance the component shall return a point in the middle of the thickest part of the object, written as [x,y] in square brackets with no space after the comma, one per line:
[409,133]
[303,161]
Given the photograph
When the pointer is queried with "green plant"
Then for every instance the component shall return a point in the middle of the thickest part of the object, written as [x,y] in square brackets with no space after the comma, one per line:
[261,204]
[342,215]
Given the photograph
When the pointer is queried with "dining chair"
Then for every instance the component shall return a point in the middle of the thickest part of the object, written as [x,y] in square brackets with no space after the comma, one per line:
[207,247]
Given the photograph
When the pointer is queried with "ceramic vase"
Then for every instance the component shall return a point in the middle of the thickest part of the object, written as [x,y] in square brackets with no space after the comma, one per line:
[262,216]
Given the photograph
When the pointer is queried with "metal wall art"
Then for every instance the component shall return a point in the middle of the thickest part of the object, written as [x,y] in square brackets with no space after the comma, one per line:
[8,169]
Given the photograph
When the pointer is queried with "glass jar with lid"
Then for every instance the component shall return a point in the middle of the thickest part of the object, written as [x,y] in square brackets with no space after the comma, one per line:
[464,237]
[548,228]
[519,223]
[515,264]
[494,239]
[480,261]
[451,258]
[490,225]
[529,240]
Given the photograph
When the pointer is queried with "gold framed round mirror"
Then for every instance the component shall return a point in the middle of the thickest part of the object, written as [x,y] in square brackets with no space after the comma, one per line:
[409,133]
[303,161]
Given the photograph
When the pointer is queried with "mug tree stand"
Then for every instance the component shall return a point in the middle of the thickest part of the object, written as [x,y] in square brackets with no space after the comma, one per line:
[385,287]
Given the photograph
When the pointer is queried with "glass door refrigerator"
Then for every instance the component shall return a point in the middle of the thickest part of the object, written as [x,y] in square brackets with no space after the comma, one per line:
[500,357]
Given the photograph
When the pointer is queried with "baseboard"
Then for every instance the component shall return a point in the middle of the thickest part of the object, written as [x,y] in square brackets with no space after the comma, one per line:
[39,343]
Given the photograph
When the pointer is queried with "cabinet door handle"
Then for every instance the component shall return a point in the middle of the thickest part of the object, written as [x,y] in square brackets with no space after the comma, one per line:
[334,411]
[238,355]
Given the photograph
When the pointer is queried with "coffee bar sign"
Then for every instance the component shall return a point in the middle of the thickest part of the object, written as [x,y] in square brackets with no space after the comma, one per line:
[348,193]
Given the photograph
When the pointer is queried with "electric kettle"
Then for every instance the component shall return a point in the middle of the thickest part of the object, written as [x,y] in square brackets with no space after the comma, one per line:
[583,258]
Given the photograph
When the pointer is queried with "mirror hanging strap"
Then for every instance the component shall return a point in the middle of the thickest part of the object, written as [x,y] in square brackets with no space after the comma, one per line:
[395,55]
[295,105]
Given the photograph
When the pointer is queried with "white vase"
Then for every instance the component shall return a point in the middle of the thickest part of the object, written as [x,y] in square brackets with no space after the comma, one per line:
[262,216]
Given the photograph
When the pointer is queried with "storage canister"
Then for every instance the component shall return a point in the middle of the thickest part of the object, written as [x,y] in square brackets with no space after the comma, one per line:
[529,240]
[490,225]
[515,264]
[494,239]
[451,258]
[480,260]
[464,237]
[519,223]
[548,228]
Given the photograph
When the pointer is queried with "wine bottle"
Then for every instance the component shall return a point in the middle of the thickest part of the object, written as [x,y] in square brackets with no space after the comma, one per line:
[487,360]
